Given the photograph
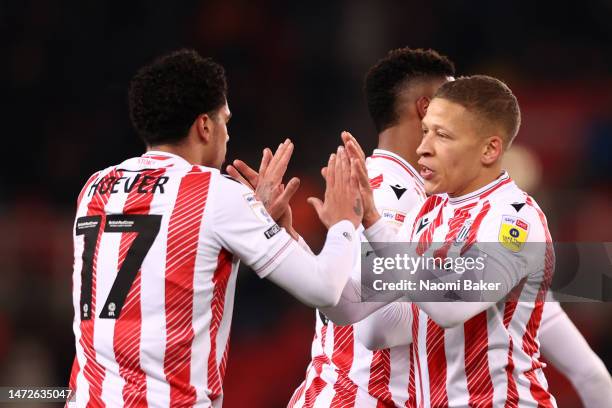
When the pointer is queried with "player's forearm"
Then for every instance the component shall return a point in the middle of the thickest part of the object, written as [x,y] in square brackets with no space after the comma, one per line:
[352,309]
[318,280]
[391,326]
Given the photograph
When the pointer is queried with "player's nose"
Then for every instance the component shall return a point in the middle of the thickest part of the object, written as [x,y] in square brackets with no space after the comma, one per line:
[425,148]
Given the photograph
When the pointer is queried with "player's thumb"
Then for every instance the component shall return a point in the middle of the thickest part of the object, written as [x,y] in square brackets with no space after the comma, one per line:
[317,204]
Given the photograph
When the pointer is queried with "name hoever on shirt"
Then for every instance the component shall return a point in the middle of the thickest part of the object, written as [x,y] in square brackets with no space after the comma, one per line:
[141,183]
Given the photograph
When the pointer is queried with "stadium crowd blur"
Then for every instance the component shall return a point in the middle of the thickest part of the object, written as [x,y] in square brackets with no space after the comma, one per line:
[295,70]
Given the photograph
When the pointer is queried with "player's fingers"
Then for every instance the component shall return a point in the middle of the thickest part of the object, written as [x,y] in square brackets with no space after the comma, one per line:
[338,176]
[348,137]
[317,205]
[231,170]
[265,161]
[251,175]
[283,161]
[324,172]
[276,160]
[361,174]
[345,168]
[292,187]
[331,171]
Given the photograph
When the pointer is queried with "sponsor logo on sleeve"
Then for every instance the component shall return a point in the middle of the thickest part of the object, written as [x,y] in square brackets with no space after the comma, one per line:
[258,208]
[394,216]
[272,231]
[513,233]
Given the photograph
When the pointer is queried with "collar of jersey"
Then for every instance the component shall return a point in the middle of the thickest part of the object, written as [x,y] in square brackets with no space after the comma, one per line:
[166,154]
[482,192]
[385,154]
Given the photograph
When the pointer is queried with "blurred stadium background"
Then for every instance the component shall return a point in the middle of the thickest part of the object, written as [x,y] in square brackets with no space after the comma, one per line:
[295,70]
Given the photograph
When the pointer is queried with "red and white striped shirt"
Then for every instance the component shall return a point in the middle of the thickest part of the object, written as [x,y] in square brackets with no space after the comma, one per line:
[493,358]
[343,372]
[157,242]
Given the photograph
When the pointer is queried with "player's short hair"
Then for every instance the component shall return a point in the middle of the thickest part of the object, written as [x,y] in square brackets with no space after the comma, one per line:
[489,98]
[392,74]
[166,96]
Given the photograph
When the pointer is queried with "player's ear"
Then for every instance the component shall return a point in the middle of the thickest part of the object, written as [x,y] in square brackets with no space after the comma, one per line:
[203,126]
[421,106]
[492,150]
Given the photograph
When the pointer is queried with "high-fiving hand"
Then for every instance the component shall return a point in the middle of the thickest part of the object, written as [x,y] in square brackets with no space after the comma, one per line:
[358,168]
[268,182]
[342,199]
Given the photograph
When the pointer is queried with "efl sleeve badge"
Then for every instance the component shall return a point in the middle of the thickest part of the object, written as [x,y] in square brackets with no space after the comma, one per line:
[513,233]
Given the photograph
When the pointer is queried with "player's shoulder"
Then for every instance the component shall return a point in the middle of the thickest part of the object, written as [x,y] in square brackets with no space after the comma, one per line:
[514,218]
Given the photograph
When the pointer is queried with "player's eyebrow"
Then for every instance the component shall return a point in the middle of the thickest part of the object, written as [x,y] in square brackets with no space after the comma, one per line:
[229,117]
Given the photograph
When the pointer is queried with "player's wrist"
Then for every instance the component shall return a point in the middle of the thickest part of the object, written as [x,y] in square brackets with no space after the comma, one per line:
[370,218]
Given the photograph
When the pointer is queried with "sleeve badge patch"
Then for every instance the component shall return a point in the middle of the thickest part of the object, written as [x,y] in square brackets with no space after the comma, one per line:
[513,233]
[258,208]
[394,216]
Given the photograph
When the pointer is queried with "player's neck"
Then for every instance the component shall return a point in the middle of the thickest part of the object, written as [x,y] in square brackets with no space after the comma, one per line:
[180,149]
[391,140]
[487,176]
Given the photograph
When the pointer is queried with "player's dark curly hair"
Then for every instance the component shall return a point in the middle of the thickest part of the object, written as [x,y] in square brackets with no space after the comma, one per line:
[385,80]
[166,96]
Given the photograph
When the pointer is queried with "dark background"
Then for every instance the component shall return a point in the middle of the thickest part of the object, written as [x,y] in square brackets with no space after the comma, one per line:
[295,70]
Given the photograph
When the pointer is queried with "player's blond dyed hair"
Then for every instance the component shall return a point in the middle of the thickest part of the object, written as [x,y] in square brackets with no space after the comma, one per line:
[489,98]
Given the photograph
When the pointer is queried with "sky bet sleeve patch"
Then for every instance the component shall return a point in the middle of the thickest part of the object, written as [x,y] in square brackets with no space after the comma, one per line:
[258,208]
[513,233]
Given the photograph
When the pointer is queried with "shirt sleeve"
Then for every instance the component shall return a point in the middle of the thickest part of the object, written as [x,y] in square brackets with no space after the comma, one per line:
[563,345]
[388,327]
[244,227]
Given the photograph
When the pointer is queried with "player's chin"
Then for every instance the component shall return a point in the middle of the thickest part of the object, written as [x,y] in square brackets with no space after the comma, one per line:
[433,186]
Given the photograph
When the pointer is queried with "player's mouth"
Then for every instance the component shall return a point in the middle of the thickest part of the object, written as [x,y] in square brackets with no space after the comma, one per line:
[426,172]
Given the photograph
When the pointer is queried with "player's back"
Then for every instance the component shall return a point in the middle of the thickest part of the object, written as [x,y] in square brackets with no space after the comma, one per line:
[153,286]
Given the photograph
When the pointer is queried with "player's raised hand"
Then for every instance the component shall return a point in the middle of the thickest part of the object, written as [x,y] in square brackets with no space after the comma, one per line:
[267,183]
[352,146]
[342,198]
[360,172]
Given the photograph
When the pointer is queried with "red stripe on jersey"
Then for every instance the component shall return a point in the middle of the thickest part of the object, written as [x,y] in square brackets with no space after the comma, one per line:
[73,374]
[182,245]
[530,346]
[428,205]
[297,394]
[427,236]
[342,358]
[479,384]
[436,364]
[93,371]
[471,237]
[220,279]
[317,384]
[86,187]
[376,182]
[380,375]
[411,401]
[512,397]
[410,171]
[128,327]
[436,354]
[415,346]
